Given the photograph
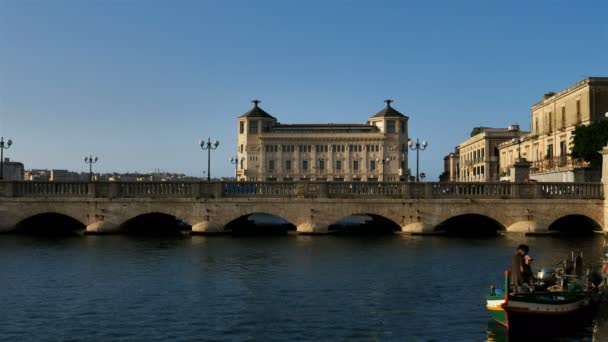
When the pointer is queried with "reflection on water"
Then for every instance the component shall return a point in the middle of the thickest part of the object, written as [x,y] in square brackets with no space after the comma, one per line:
[268,288]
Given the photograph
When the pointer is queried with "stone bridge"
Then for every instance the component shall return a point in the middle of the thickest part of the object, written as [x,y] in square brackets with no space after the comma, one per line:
[104,207]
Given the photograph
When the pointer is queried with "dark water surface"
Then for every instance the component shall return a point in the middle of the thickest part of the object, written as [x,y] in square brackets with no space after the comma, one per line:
[292,288]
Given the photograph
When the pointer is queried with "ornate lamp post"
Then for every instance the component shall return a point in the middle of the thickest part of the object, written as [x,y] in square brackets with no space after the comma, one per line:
[3,145]
[208,145]
[90,160]
[235,161]
[417,146]
[383,162]
[518,141]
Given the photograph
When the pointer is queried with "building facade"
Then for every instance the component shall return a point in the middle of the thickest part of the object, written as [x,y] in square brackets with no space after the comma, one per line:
[12,170]
[479,155]
[451,167]
[554,119]
[373,151]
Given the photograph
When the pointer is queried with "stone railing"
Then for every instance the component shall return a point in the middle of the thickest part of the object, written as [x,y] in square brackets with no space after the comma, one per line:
[400,190]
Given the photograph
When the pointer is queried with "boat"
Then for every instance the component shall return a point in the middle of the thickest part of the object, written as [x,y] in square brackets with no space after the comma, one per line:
[559,295]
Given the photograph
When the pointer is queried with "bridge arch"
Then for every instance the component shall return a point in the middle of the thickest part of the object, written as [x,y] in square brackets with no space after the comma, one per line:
[470,224]
[154,223]
[50,223]
[259,223]
[364,223]
[575,224]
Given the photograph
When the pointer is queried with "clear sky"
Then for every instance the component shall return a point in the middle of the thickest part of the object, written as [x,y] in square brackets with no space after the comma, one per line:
[139,82]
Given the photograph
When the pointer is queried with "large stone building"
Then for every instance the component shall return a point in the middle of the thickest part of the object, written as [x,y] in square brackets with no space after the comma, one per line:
[373,151]
[554,119]
[12,170]
[451,167]
[478,157]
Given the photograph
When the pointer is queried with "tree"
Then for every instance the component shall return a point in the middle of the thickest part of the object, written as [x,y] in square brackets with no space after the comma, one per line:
[588,141]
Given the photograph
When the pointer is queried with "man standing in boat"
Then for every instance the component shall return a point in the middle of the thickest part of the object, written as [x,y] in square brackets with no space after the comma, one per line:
[517,266]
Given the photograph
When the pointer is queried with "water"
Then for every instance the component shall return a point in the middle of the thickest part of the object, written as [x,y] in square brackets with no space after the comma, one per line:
[292,288]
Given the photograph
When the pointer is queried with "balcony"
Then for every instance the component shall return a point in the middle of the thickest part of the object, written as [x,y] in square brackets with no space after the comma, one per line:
[561,163]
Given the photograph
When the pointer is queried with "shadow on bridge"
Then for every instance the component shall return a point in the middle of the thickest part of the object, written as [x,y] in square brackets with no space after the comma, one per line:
[259,224]
[470,225]
[50,224]
[364,224]
[155,224]
[575,225]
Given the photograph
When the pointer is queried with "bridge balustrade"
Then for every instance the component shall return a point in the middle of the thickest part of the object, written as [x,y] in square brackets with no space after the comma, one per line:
[448,190]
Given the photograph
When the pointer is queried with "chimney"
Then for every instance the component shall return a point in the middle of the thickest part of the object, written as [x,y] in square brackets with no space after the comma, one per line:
[548,95]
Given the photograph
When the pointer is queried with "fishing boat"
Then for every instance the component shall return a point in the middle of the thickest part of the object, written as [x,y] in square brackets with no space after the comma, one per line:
[559,295]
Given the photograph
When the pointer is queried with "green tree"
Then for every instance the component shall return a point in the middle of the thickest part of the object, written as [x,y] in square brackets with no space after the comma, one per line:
[588,141]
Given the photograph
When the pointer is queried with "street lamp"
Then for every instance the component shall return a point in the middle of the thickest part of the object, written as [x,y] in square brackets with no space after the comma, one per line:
[90,160]
[3,145]
[235,161]
[417,146]
[208,146]
[518,141]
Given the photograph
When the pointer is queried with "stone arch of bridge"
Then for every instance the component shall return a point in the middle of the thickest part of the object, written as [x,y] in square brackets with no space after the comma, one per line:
[377,223]
[154,223]
[575,224]
[470,223]
[49,223]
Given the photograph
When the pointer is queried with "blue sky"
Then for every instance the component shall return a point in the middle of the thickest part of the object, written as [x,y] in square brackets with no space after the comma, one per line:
[139,82]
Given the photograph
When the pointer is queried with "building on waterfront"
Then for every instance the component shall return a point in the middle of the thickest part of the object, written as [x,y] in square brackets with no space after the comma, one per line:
[547,147]
[451,167]
[373,151]
[477,158]
[58,175]
[12,170]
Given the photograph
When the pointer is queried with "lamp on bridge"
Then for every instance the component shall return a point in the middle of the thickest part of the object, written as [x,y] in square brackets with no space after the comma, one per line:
[208,145]
[417,146]
[235,161]
[3,145]
[518,141]
[90,160]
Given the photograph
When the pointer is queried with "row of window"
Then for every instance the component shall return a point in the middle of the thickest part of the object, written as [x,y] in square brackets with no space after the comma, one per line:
[321,165]
[549,119]
[253,126]
[320,148]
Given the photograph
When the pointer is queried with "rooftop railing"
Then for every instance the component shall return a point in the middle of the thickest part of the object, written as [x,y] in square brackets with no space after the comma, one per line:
[232,189]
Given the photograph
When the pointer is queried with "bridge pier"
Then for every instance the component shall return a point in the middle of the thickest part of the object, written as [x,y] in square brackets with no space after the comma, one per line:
[102,227]
[207,228]
[312,228]
[528,226]
[418,228]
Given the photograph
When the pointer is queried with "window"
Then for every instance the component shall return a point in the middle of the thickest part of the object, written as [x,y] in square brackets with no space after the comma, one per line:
[372,165]
[550,150]
[304,165]
[253,127]
[242,127]
[550,122]
[402,127]
[266,126]
[563,116]
[241,148]
[288,165]
[390,126]
[579,118]
[338,165]
[321,165]
[536,125]
[355,165]
[271,165]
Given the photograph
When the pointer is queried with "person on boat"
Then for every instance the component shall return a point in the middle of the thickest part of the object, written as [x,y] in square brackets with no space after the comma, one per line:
[528,276]
[517,266]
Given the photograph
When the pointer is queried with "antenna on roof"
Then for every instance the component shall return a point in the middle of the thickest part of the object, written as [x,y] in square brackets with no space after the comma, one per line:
[388,102]
[255,102]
